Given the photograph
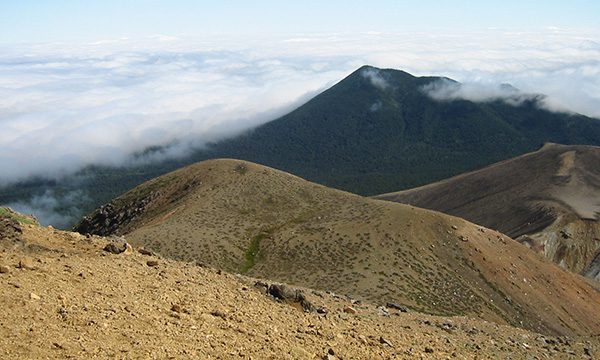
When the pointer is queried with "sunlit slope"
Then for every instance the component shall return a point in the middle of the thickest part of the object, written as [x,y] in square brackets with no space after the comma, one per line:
[247,218]
[63,296]
[548,199]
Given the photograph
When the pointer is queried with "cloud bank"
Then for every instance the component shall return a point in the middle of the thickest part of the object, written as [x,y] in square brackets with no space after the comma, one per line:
[448,90]
[54,209]
[60,111]
[65,106]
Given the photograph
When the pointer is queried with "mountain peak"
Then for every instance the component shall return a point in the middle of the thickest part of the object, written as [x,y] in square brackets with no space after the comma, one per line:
[376,131]
[381,78]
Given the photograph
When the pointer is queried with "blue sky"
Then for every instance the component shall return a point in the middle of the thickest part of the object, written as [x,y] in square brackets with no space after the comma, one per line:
[66,20]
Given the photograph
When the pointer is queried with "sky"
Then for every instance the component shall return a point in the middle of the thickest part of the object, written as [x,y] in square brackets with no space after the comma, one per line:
[94,82]
[67,20]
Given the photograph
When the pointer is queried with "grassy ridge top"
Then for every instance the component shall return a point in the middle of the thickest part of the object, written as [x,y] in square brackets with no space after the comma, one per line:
[20,218]
[243,217]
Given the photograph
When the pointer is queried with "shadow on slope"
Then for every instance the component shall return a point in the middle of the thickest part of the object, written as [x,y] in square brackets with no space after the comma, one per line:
[548,200]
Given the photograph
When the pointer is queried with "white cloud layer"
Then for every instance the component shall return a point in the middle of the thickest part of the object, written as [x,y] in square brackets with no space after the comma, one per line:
[53,209]
[448,90]
[64,106]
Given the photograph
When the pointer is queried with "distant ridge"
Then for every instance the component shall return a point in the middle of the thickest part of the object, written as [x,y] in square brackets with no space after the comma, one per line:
[378,131]
[548,200]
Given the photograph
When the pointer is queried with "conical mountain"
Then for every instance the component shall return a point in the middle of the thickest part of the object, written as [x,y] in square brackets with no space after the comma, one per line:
[378,130]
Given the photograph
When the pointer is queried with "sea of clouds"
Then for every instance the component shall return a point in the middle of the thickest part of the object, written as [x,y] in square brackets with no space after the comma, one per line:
[64,106]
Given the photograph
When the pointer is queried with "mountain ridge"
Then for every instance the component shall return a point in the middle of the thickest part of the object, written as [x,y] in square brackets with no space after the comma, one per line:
[409,130]
[247,218]
[548,199]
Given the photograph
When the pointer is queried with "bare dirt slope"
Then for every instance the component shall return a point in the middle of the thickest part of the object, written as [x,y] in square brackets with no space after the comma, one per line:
[63,296]
[246,218]
[548,199]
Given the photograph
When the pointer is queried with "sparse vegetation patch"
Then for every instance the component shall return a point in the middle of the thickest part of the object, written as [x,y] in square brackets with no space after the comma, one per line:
[252,252]
[5,212]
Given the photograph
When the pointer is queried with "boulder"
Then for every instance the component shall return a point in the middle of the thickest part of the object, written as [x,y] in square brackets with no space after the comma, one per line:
[290,295]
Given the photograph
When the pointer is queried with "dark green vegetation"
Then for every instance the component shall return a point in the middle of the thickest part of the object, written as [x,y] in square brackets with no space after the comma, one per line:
[371,139]
[251,254]
[368,140]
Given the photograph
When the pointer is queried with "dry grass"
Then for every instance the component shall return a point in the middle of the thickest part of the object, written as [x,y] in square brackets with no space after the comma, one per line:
[87,304]
[274,225]
[548,200]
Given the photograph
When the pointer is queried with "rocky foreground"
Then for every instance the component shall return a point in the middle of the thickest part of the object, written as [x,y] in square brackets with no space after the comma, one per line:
[65,295]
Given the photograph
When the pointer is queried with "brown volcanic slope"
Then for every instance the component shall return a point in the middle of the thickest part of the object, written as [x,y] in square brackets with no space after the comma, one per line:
[70,299]
[548,199]
[243,217]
